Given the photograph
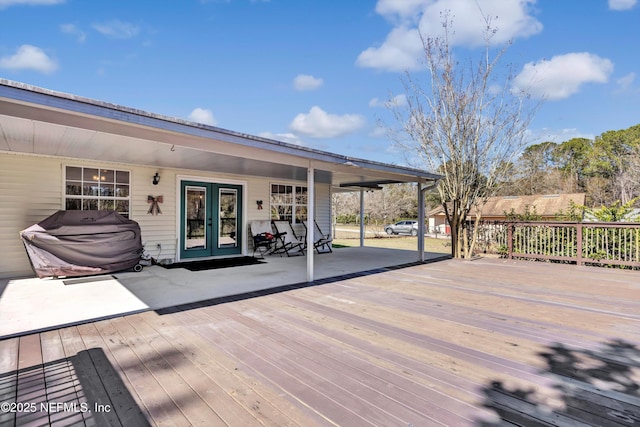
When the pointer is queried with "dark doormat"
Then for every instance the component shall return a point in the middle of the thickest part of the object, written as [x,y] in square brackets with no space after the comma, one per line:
[212,264]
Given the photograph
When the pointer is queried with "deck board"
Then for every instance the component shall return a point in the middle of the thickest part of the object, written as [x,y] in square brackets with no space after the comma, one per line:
[359,393]
[31,385]
[363,378]
[127,407]
[8,377]
[486,343]
[242,393]
[59,374]
[159,405]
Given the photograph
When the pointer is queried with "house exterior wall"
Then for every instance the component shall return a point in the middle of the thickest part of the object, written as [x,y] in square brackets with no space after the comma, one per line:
[438,224]
[32,188]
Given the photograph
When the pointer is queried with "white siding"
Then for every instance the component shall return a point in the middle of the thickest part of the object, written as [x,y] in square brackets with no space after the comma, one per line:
[156,229]
[31,188]
[323,207]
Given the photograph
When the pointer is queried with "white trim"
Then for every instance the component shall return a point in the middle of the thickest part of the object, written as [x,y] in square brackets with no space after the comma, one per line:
[63,201]
[165,128]
[294,184]
[311,186]
[212,180]
[362,230]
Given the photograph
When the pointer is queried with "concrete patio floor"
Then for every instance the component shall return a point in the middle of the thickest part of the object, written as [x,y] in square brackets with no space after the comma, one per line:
[30,304]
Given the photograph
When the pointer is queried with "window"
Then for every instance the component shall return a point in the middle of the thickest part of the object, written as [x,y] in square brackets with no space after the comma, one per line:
[97,189]
[288,203]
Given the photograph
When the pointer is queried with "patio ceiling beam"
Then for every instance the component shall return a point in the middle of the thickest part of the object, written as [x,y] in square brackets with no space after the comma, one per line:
[371,184]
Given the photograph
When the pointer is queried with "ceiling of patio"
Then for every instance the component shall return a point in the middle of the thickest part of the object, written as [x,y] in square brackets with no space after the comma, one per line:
[103,132]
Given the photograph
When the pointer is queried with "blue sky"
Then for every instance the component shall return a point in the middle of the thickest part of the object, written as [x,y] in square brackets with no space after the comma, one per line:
[318,73]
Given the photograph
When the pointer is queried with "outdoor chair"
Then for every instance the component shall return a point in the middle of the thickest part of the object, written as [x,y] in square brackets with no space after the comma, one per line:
[286,240]
[321,241]
[263,238]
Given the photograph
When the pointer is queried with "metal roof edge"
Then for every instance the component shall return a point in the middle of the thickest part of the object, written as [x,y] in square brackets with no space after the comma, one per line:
[54,99]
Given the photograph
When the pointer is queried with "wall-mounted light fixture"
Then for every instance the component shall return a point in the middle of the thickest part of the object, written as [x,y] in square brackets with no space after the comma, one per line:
[156,178]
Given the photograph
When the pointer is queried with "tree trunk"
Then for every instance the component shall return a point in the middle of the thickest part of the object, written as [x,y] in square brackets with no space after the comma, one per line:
[474,238]
[465,243]
[454,224]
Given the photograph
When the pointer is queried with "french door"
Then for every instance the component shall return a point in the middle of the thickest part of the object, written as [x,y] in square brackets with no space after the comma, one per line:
[211,219]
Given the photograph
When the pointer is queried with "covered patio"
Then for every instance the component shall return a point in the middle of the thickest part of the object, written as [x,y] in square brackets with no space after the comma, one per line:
[63,302]
[63,151]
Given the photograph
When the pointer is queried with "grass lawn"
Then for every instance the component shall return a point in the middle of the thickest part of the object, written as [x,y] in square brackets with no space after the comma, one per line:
[348,235]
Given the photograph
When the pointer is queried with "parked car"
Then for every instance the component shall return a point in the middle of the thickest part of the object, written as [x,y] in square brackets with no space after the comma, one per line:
[402,227]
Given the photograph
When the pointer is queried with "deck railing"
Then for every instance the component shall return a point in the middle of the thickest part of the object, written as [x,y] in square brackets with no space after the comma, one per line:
[591,243]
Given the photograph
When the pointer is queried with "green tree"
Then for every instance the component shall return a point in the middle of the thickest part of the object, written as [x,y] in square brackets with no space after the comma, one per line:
[536,169]
[615,212]
[611,158]
[572,159]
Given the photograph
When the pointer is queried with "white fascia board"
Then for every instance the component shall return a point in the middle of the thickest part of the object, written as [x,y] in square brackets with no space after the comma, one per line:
[33,95]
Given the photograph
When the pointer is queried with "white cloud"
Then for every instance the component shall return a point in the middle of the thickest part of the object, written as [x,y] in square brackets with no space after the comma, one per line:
[512,19]
[29,57]
[401,8]
[306,82]
[402,49]
[74,31]
[320,124]
[562,75]
[8,3]
[284,137]
[622,4]
[201,115]
[379,132]
[375,102]
[626,81]
[396,101]
[117,29]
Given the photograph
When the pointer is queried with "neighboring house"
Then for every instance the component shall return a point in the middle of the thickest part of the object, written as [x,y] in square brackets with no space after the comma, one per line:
[546,206]
[193,188]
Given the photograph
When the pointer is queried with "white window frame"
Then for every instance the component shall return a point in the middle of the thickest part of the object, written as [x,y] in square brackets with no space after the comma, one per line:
[295,204]
[98,197]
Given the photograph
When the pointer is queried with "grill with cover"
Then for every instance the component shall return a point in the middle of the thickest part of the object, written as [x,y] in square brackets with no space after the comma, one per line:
[82,243]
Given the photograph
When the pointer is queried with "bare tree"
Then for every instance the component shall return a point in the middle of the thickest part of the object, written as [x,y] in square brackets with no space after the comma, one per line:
[466,123]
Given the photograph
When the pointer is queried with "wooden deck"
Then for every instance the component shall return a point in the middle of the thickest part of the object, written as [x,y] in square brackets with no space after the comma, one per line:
[481,343]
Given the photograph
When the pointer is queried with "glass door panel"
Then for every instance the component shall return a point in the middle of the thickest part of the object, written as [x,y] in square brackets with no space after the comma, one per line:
[228,218]
[195,226]
[195,219]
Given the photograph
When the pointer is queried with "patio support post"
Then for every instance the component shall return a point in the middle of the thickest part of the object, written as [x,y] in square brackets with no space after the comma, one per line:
[420,223]
[311,214]
[361,217]
[421,216]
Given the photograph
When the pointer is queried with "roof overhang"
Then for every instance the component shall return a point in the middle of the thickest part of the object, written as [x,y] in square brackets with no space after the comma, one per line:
[43,122]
